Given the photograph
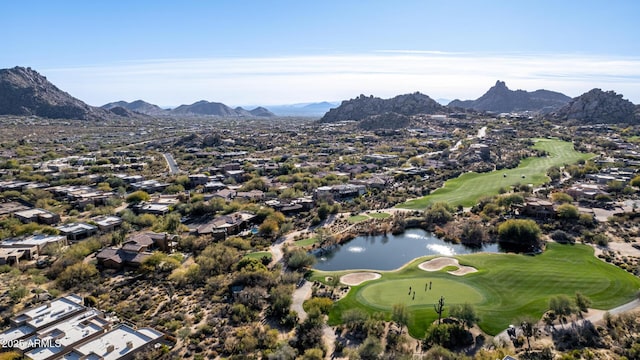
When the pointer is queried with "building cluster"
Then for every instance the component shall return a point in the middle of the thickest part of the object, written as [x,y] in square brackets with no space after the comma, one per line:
[64,328]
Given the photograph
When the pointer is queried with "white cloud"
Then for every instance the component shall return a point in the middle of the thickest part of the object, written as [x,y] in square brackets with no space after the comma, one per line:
[281,80]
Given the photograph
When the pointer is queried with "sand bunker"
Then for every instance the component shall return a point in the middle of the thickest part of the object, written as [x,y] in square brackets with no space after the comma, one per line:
[358,278]
[442,262]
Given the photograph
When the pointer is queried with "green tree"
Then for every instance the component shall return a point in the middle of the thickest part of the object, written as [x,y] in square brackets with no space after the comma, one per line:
[400,314]
[438,214]
[554,173]
[299,259]
[582,303]
[319,304]
[370,349]
[280,299]
[561,197]
[568,211]
[313,354]
[138,197]
[77,274]
[465,313]
[561,306]
[635,181]
[521,232]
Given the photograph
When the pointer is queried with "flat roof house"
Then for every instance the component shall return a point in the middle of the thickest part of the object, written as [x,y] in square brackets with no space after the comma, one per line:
[77,231]
[121,343]
[40,216]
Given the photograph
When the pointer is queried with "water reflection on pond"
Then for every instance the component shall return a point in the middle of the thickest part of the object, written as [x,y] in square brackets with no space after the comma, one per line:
[388,252]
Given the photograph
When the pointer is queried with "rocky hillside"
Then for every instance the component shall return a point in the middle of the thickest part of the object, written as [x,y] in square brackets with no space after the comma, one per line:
[501,99]
[363,107]
[206,108]
[388,120]
[261,112]
[597,106]
[139,106]
[24,91]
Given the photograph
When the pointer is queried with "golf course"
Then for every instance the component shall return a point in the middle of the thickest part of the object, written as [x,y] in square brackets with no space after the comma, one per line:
[505,287]
[466,189]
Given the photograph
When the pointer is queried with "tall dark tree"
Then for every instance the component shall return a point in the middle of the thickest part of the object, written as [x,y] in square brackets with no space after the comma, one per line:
[439,308]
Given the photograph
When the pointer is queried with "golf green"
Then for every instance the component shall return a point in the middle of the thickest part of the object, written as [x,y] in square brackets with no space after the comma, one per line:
[505,288]
[415,292]
[466,189]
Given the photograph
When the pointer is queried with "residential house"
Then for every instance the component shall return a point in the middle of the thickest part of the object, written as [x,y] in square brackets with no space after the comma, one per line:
[538,208]
[198,179]
[120,343]
[226,225]
[581,191]
[14,250]
[8,208]
[107,223]
[214,186]
[135,250]
[339,192]
[64,328]
[80,328]
[251,195]
[77,231]
[40,216]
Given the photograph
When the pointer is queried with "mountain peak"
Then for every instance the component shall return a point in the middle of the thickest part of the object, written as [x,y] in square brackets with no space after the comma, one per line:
[500,98]
[500,84]
[23,91]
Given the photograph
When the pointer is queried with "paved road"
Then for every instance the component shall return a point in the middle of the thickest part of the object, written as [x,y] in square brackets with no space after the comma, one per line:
[173,167]
[299,296]
[598,316]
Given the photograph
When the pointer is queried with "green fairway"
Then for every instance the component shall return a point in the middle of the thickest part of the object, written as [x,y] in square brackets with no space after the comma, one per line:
[306,242]
[357,218]
[259,255]
[379,215]
[506,287]
[466,189]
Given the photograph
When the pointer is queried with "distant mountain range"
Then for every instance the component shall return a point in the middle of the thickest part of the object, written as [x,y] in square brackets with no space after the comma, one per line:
[200,108]
[304,109]
[501,99]
[24,92]
[140,106]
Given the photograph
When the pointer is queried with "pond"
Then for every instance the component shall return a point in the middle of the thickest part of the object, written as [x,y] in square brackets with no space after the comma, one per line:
[389,252]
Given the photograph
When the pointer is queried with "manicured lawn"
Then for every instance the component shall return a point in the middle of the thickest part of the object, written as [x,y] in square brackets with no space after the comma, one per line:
[306,242]
[380,215]
[357,218]
[466,189]
[506,287]
[259,255]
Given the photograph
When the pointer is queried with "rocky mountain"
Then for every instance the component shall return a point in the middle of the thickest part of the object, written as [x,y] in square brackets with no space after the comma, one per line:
[363,106]
[261,112]
[139,106]
[206,108]
[597,106]
[388,120]
[24,91]
[501,99]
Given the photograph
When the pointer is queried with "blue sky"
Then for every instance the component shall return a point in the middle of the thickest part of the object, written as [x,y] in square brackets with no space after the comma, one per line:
[278,52]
